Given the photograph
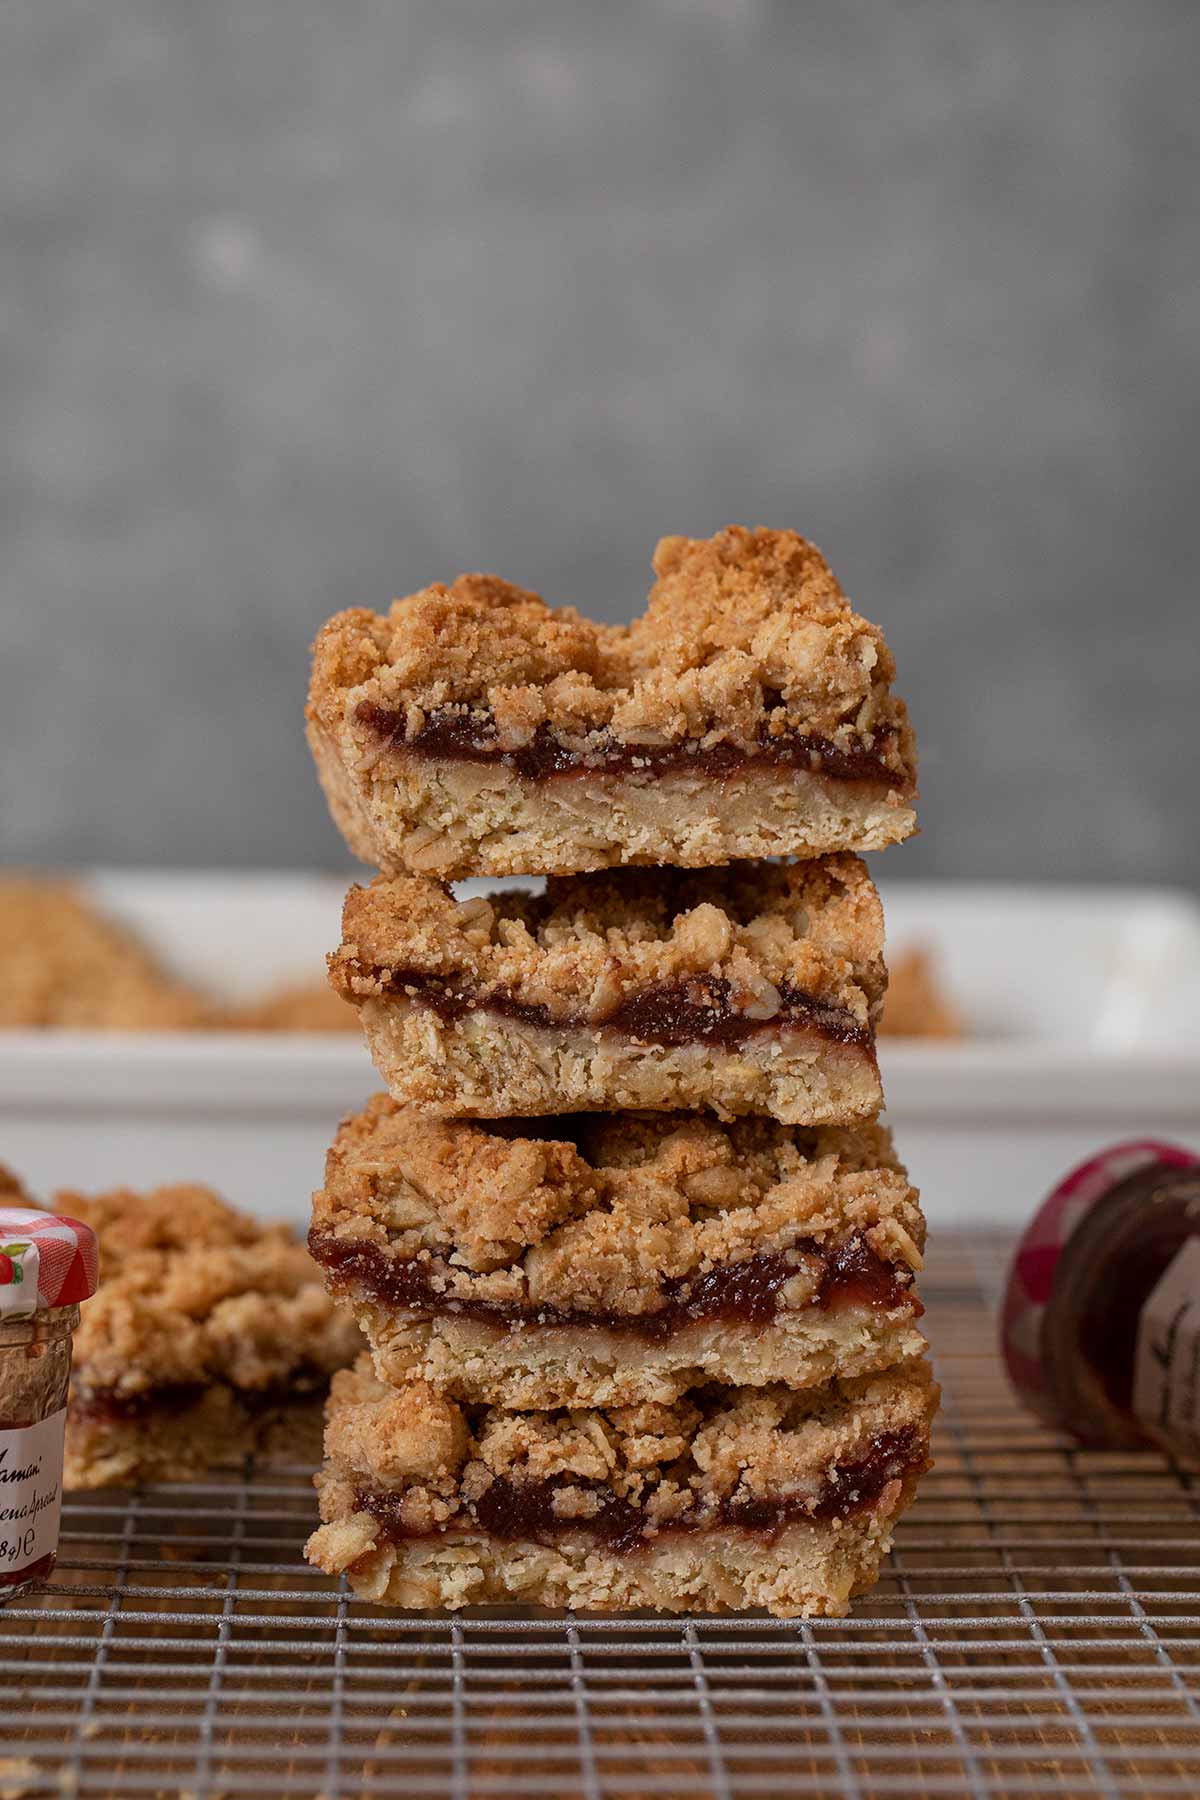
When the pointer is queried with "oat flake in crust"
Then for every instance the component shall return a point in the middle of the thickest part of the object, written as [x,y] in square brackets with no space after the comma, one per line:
[601,1259]
[473,730]
[729,1498]
[748,989]
[207,1327]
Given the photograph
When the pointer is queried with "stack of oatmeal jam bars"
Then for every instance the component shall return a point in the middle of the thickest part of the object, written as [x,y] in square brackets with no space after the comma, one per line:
[634,1257]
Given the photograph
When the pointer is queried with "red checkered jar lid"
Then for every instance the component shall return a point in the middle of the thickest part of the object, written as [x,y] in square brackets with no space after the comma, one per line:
[46,1260]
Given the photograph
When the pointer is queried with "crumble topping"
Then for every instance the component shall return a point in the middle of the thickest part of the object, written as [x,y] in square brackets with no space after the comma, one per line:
[598,1212]
[192,1292]
[713,1446]
[746,636]
[590,940]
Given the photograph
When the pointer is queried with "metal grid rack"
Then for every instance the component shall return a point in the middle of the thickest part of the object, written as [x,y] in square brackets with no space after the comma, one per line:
[1036,1631]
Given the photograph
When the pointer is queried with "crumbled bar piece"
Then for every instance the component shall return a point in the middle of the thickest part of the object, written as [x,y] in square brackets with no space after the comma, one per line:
[916,1004]
[210,1336]
[474,730]
[726,1499]
[63,964]
[608,1259]
[749,989]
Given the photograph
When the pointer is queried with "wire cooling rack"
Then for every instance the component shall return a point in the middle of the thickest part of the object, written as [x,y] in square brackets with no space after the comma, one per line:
[1036,1631]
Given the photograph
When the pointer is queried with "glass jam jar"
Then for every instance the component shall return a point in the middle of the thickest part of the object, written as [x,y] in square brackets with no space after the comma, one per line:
[48,1264]
[1101,1322]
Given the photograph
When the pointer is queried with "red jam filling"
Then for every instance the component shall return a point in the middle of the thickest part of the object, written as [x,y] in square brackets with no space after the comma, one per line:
[450,736]
[526,1509]
[700,1010]
[742,1293]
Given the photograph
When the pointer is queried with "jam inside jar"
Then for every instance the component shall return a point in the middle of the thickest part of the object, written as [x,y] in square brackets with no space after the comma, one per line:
[35,1367]
[1107,1272]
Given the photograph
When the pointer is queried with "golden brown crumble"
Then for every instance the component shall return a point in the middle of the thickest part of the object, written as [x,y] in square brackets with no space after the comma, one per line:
[714,1445]
[193,1292]
[597,1213]
[746,634]
[590,940]
[917,1005]
[174,1218]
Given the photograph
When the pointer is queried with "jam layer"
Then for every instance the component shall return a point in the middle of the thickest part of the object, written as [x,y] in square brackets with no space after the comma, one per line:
[525,1510]
[109,1406]
[742,1293]
[700,1010]
[449,736]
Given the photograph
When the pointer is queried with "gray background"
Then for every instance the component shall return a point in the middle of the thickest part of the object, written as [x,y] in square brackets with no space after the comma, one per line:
[303,305]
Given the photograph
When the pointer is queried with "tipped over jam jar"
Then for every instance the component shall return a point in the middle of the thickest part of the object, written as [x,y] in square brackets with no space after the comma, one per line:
[48,1264]
[1101,1321]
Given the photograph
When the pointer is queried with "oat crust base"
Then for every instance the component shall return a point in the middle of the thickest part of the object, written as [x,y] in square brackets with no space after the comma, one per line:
[808,1571]
[547,1367]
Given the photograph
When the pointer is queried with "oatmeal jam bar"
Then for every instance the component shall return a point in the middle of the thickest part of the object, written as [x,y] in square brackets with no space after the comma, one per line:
[63,963]
[473,730]
[601,1260]
[727,1498]
[210,1336]
[749,989]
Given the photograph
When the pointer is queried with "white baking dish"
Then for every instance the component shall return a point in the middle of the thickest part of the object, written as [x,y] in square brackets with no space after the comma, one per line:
[1083,1006]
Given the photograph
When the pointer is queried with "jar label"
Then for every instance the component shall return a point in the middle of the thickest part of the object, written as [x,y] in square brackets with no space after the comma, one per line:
[19,1267]
[1166,1375]
[31,1464]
